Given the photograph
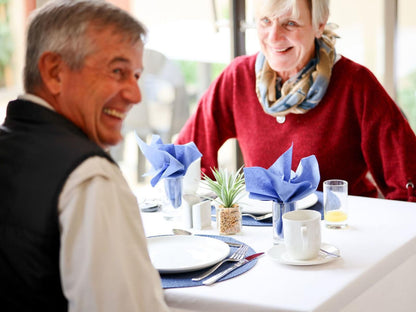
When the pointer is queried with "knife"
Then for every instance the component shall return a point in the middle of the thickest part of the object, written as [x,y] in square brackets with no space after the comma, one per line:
[185,232]
[240,263]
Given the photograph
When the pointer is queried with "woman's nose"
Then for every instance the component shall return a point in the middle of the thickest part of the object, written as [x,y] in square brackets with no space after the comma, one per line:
[276,32]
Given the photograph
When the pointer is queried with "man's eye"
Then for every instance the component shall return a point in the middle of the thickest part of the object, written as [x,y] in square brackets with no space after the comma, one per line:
[118,73]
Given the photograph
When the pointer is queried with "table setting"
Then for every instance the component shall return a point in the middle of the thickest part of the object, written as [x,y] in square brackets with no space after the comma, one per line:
[185,272]
[336,272]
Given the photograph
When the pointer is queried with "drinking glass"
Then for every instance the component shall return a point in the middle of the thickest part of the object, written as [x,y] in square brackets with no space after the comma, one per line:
[173,192]
[336,204]
[278,209]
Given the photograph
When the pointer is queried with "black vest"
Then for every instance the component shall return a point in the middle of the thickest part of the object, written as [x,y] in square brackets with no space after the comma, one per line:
[38,150]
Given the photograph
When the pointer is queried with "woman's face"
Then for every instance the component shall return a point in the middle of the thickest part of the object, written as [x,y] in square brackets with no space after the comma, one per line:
[287,41]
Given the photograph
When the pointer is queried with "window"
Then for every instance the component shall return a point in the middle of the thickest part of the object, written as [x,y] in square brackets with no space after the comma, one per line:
[406,60]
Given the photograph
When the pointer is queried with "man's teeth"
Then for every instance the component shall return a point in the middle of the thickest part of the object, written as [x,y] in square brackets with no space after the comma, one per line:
[114,113]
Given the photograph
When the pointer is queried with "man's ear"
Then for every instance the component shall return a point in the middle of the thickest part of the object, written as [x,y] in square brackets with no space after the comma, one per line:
[50,67]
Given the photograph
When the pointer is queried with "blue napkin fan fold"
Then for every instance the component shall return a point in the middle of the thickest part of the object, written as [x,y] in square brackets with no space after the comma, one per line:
[279,183]
[167,160]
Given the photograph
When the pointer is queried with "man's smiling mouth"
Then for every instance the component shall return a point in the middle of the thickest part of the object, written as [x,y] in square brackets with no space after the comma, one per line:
[113,113]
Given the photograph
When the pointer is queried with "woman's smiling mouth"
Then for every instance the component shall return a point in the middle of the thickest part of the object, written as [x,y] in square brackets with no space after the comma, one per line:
[281,50]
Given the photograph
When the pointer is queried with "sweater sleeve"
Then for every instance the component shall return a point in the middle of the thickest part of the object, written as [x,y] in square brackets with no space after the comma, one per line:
[388,142]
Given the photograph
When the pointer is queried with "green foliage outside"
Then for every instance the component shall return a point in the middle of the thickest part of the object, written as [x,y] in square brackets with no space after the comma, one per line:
[6,43]
[406,96]
[190,70]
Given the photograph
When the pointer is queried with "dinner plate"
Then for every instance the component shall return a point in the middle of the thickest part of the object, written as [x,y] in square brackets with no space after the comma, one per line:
[278,253]
[182,253]
[307,201]
[254,206]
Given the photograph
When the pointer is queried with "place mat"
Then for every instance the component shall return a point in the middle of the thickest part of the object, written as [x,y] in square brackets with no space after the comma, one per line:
[248,221]
[178,280]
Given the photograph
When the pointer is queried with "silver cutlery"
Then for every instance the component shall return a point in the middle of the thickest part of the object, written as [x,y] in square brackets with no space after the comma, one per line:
[185,232]
[217,276]
[235,257]
[258,218]
[327,253]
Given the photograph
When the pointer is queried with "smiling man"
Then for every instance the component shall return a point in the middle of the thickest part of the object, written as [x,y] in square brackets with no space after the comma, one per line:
[71,237]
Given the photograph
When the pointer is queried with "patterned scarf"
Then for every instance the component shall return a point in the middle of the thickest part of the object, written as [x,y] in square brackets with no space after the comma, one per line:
[303,91]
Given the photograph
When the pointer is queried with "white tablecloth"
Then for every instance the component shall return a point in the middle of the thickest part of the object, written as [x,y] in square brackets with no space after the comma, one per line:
[377,270]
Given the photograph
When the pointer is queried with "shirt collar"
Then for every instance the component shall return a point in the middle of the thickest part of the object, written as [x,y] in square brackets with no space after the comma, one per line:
[35,99]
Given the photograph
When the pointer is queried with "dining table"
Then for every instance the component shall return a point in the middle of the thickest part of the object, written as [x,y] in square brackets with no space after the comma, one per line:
[376,270]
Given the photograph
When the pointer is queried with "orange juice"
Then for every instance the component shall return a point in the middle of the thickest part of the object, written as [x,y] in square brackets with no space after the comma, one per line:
[336,216]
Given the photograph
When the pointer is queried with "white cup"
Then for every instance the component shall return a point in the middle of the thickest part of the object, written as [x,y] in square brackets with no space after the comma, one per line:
[302,234]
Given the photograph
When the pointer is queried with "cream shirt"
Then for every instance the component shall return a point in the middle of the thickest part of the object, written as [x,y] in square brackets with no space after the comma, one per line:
[104,262]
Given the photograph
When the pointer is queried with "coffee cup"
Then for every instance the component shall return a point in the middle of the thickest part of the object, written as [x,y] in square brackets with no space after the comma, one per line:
[302,234]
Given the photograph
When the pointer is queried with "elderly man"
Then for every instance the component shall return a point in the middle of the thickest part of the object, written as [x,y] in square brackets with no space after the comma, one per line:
[71,237]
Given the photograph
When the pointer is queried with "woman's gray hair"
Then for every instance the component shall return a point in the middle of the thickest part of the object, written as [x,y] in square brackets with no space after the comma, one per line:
[319,9]
[60,26]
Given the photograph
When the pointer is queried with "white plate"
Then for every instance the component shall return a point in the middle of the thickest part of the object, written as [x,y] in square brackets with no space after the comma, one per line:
[278,253]
[307,201]
[255,206]
[181,253]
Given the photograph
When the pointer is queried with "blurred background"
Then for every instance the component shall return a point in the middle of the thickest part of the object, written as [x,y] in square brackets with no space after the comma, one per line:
[191,41]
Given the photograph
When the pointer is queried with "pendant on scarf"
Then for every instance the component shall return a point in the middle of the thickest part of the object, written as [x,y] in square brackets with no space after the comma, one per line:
[281,119]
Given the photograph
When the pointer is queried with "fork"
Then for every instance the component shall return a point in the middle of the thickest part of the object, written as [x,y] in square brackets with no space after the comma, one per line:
[236,256]
[258,218]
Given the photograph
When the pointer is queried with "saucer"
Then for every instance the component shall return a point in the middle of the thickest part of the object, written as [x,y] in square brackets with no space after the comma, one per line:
[278,253]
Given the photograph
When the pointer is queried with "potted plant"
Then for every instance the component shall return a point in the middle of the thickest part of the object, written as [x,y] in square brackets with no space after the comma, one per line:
[229,188]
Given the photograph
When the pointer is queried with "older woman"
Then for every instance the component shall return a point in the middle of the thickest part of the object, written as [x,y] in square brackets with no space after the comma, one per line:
[299,90]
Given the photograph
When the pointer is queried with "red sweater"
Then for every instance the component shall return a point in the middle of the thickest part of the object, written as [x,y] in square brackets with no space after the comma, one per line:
[356,128]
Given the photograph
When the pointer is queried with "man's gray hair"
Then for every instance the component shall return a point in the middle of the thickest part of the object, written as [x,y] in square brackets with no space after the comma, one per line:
[60,26]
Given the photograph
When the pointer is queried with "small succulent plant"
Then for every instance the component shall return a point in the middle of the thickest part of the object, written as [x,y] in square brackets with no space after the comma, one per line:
[228,187]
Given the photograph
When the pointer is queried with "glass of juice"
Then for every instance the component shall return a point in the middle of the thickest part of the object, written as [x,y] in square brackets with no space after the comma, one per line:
[336,203]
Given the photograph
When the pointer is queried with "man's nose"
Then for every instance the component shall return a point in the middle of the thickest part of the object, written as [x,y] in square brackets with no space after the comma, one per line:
[132,92]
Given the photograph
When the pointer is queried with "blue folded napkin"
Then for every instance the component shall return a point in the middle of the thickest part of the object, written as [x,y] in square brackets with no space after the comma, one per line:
[279,183]
[168,160]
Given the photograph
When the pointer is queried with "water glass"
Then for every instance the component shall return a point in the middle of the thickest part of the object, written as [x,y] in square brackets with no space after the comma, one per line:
[278,210]
[173,192]
[336,204]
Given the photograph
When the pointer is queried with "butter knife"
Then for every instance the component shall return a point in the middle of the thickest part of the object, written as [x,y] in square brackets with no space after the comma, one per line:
[240,263]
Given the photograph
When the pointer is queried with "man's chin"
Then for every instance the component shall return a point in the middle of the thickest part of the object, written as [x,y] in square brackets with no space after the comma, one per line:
[109,142]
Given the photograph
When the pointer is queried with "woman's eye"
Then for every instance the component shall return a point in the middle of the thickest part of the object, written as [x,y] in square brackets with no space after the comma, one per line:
[265,20]
[291,23]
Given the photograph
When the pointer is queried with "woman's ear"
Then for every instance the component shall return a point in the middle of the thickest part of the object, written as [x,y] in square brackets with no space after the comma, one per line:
[50,67]
[320,30]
